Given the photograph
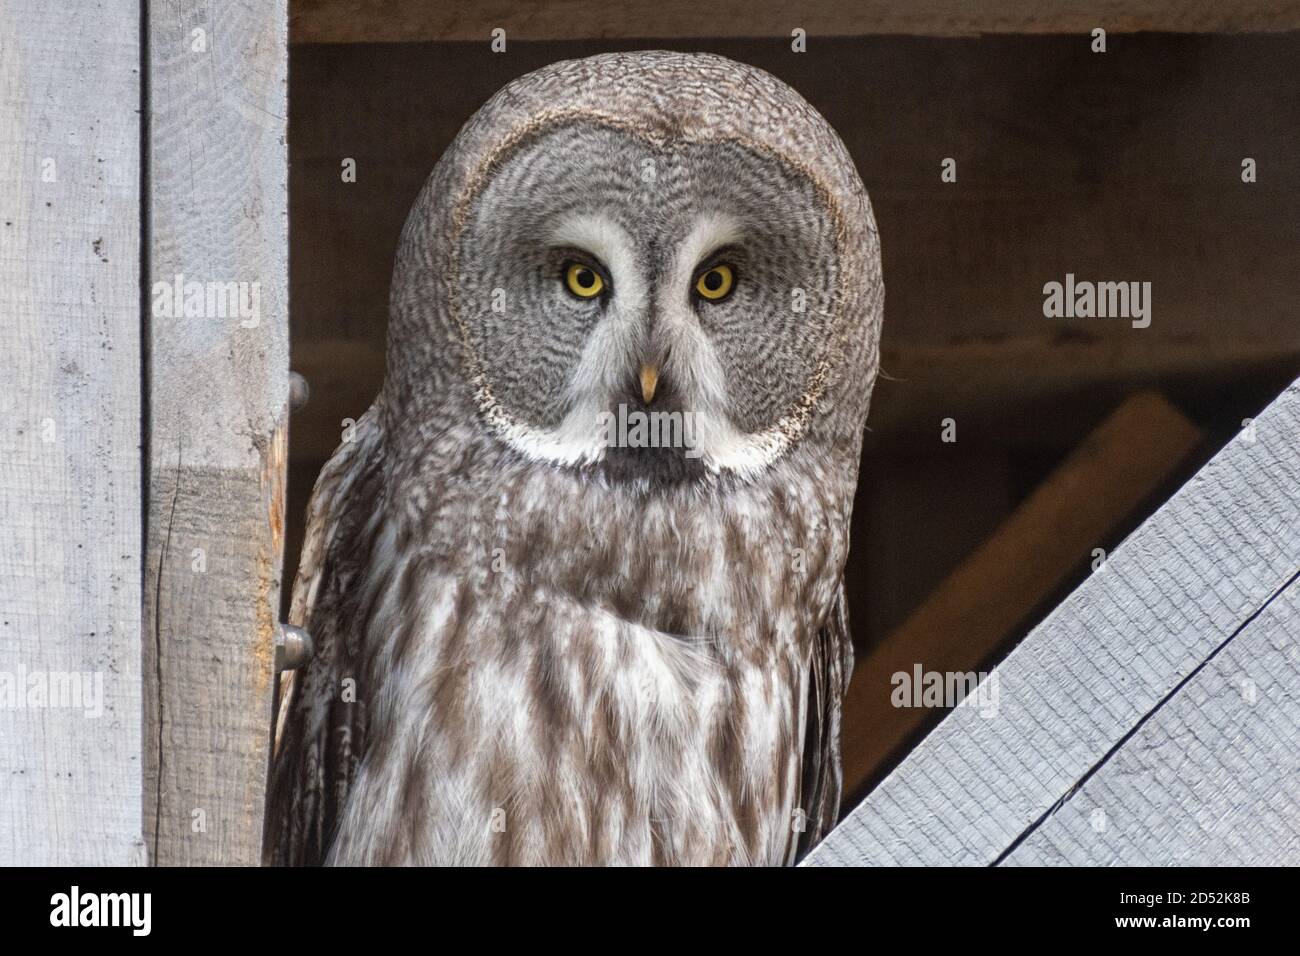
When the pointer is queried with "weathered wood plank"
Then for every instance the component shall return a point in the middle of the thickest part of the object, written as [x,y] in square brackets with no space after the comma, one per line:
[1212,778]
[1190,576]
[355,21]
[218,397]
[70,464]
[978,608]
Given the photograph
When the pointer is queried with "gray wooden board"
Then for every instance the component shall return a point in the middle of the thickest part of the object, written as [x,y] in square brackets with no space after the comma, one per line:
[1212,778]
[360,21]
[1192,575]
[218,396]
[70,432]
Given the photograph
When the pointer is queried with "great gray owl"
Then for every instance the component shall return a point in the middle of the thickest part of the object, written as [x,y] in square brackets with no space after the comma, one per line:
[536,645]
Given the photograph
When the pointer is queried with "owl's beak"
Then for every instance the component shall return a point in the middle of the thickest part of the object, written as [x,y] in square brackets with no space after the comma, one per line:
[649,379]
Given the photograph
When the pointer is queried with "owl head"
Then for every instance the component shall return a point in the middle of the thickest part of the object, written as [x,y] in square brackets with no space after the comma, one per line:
[636,245]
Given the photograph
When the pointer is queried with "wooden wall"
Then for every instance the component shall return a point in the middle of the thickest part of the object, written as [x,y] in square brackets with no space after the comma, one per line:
[142,441]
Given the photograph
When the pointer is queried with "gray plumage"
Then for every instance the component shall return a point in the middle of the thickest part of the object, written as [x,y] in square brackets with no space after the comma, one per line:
[532,647]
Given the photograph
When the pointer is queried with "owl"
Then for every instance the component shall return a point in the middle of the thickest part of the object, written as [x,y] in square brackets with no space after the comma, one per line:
[575,580]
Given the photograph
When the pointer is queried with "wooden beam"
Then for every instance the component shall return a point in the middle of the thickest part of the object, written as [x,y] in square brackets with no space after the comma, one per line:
[360,21]
[218,409]
[1088,681]
[980,606]
[1217,766]
[70,467]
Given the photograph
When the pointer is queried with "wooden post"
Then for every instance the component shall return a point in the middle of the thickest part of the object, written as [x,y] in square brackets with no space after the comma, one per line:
[218,398]
[70,469]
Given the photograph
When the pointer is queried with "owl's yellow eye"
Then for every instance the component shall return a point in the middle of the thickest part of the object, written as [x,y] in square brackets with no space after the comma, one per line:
[715,283]
[583,281]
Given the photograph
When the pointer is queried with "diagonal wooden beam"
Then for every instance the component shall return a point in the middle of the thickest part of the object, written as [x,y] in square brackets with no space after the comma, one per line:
[1142,680]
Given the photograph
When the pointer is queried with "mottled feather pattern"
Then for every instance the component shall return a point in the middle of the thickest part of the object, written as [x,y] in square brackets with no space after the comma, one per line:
[556,659]
[581,715]
[321,732]
[830,666]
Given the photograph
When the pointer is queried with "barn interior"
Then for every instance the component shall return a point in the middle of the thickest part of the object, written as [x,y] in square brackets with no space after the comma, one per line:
[1125,165]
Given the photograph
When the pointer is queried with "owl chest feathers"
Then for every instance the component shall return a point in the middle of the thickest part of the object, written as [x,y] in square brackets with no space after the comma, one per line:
[576,673]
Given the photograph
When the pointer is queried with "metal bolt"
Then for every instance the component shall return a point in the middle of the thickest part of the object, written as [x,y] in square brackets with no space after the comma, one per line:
[293,647]
[299,391]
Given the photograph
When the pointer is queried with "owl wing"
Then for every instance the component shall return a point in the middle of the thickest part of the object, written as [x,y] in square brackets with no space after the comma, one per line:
[831,667]
[321,726]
